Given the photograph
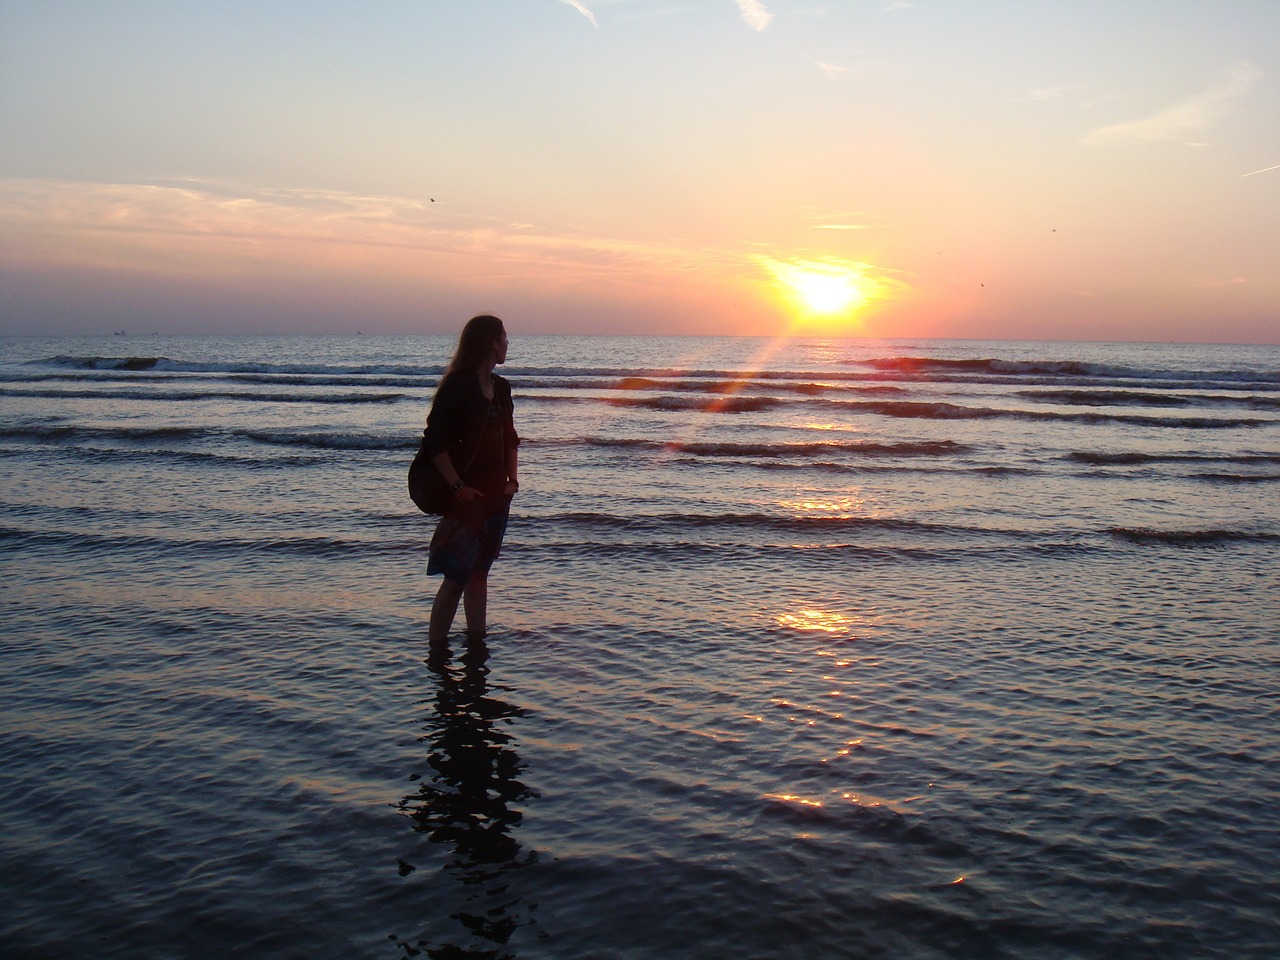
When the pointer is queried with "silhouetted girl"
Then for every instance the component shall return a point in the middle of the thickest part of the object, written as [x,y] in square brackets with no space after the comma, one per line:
[471,437]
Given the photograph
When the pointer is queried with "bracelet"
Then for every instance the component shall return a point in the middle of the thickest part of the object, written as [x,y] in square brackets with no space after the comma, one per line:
[456,485]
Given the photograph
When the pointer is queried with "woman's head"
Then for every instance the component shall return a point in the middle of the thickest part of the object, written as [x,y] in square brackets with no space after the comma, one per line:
[482,339]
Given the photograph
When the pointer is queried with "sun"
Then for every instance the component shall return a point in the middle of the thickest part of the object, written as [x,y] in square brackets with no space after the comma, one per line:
[830,291]
[826,290]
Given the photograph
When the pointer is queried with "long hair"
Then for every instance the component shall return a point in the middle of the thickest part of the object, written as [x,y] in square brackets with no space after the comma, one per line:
[474,344]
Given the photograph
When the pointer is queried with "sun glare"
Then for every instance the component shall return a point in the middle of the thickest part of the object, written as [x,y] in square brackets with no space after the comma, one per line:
[826,290]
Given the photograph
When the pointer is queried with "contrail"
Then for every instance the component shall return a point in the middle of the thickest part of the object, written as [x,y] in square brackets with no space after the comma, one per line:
[1263,170]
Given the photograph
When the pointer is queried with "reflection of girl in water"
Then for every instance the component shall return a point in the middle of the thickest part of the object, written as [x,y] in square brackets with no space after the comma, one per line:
[464,802]
[471,438]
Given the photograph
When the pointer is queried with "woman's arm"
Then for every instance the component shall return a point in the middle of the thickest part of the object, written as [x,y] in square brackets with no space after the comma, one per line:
[444,463]
[444,424]
[510,439]
[447,416]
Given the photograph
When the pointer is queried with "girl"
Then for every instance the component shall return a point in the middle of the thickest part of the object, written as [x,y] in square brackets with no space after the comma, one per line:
[471,438]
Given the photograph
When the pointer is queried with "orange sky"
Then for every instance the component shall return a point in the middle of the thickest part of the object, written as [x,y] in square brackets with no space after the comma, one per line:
[890,169]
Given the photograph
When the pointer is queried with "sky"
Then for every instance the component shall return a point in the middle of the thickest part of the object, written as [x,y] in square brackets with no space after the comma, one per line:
[1022,169]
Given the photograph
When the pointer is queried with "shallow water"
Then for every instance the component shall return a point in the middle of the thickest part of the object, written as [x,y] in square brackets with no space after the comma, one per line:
[886,650]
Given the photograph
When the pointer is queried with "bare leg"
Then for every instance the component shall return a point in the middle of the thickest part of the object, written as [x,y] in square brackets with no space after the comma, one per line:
[443,609]
[475,604]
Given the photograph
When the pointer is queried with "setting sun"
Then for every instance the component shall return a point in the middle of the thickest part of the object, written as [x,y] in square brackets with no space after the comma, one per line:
[827,289]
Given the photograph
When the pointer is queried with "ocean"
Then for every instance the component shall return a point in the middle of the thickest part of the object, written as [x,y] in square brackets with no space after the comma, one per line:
[799,648]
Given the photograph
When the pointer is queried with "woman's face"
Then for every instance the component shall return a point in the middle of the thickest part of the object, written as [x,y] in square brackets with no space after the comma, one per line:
[500,348]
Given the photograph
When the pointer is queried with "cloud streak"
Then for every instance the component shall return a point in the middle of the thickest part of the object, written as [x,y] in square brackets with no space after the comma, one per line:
[1189,116]
[371,255]
[1042,94]
[582,10]
[754,14]
[198,228]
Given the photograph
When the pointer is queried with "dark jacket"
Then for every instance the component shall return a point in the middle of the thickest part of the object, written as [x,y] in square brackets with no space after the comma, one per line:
[458,415]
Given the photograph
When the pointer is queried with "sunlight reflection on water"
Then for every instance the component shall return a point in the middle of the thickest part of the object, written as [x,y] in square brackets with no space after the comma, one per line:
[821,621]
[848,505]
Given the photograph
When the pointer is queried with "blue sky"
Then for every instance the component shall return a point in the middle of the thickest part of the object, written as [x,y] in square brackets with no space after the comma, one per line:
[999,169]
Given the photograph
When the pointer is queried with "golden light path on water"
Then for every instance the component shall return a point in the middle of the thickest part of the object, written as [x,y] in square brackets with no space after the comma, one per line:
[822,621]
[809,619]
[845,507]
[839,628]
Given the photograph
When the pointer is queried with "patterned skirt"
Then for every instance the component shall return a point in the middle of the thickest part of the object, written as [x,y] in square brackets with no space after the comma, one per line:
[468,539]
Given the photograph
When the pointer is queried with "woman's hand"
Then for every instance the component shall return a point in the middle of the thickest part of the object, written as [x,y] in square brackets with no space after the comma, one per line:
[511,489]
[467,494]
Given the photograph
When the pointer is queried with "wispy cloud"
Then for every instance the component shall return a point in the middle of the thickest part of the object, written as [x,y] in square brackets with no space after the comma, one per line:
[582,10]
[1041,94]
[755,14]
[1197,113]
[832,70]
[203,228]
[897,5]
[840,220]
